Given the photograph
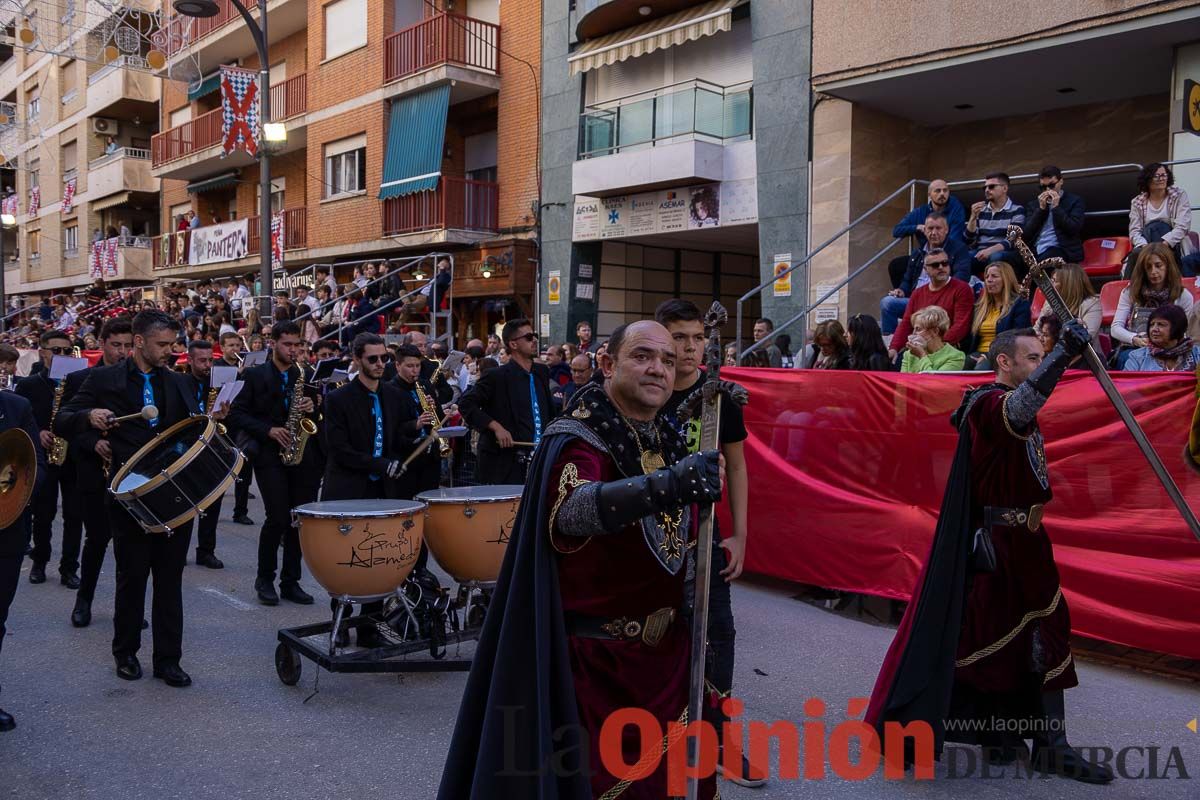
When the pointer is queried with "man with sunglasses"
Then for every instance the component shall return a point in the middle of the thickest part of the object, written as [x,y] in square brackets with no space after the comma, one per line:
[510,407]
[987,226]
[39,390]
[1054,219]
[953,295]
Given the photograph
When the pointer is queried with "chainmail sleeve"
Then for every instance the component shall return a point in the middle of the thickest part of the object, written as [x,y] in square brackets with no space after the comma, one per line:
[1021,407]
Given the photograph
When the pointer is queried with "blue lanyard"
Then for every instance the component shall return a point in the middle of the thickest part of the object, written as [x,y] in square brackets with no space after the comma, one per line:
[200,400]
[537,412]
[420,408]
[377,412]
[148,396]
[287,397]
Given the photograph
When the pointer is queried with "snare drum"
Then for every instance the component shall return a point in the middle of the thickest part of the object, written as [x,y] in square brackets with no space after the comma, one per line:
[467,528]
[177,474]
[360,549]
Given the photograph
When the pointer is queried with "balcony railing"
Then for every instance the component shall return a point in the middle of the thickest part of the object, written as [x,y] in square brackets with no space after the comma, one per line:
[295,229]
[442,39]
[691,110]
[454,204]
[173,249]
[124,61]
[190,137]
[182,31]
[120,152]
[289,98]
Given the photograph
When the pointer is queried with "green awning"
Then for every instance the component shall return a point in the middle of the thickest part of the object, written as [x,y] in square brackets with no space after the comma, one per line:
[207,85]
[211,184]
[416,140]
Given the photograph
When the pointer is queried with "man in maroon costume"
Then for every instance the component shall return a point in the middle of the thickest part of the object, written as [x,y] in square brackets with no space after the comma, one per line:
[983,652]
[588,616]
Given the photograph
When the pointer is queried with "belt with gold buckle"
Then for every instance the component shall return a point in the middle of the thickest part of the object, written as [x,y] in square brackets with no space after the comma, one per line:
[1030,518]
[649,629]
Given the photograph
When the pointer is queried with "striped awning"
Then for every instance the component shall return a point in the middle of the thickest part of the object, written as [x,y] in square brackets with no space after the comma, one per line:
[212,184]
[207,85]
[683,26]
[111,201]
[416,141]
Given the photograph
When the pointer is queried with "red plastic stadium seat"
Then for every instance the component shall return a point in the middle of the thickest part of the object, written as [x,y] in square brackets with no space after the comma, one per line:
[1190,285]
[1035,307]
[1110,294]
[1104,258]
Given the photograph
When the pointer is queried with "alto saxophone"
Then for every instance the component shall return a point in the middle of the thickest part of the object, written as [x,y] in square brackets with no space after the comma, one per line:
[427,405]
[58,448]
[298,426]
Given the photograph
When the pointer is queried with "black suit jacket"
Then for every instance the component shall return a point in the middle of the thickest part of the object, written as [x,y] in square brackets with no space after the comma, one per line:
[108,387]
[350,439]
[260,406]
[16,412]
[38,389]
[1067,217]
[89,468]
[503,395]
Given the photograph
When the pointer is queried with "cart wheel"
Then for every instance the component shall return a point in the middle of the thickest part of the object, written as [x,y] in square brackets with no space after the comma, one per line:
[287,665]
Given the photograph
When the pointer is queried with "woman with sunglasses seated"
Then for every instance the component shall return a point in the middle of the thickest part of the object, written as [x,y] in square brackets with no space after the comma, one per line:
[1169,349]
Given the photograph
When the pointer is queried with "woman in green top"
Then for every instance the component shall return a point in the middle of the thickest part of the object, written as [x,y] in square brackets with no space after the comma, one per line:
[926,350]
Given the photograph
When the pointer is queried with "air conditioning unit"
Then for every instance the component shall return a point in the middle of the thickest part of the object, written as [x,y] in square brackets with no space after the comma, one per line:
[104,126]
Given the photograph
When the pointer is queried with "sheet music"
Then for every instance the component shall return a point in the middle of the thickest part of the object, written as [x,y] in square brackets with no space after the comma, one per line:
[62,366]
[254,359]
[222,375]
[228,392]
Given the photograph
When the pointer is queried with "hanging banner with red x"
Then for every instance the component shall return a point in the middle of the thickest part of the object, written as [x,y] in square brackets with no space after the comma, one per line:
[239,110]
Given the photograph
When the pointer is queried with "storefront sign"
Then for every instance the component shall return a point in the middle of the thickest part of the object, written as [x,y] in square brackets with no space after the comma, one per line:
[709,205]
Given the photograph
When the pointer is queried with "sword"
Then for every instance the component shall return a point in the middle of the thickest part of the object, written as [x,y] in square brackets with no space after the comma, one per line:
[1037,274]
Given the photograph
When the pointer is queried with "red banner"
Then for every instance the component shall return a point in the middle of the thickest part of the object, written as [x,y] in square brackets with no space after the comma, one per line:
[847,471]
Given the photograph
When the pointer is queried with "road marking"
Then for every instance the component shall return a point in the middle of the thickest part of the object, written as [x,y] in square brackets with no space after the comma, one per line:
[240,605]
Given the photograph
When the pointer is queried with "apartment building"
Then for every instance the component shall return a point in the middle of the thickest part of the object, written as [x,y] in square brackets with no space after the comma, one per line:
[675,142]
[76,133]
[411,128]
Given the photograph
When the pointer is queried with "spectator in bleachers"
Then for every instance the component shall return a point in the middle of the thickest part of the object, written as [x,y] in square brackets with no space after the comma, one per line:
[936,230]
[1170,349]
[867,351]
[1161,212]
[1049,329]
[784,343]
[560,372]
[951,294]
[1000,308]
[1054,219]
[913,224]
[987,226]
[927,348]
[763,327]
[1082,301]
[829,349]
[1155,282]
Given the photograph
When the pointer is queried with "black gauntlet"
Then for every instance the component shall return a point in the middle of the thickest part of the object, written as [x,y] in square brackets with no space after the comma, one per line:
[694,479]
[1022,407]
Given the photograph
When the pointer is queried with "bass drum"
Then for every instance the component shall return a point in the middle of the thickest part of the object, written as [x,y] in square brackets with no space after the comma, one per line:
[360,549]
[468,528]
[177,474]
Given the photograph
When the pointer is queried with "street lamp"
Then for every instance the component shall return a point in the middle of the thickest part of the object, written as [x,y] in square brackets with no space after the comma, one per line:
[6,221]
[258,30]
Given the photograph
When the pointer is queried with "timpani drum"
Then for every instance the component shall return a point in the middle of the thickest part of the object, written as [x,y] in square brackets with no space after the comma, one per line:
[467,528]
[177,475]
[360,549]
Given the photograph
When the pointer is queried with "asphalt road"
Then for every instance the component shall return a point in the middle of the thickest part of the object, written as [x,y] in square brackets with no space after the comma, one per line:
[238,732]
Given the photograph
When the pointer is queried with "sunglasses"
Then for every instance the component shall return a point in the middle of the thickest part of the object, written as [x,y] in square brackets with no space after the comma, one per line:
[990,186]
[375,359]
[60,351]
[936,264]
[529,337]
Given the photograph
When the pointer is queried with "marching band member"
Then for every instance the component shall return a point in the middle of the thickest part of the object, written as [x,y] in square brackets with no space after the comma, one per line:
[200,364]
[124,389]
[263,410]
[15,412]
[40,391]
[509,405]
[424,473]
[91,450]
[231,349]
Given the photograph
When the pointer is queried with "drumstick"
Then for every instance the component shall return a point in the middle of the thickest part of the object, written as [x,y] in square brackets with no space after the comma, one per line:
[147,412]
[524,444]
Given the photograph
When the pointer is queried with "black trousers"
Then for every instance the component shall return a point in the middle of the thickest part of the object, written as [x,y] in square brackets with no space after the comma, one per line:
[139,556]
[503,467]
[206,529]
[241,489]
[283,488]
[45,508]
[10,576]
[721,633]
[98,533]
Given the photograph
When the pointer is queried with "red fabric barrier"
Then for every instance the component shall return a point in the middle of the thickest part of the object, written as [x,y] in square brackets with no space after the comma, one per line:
[847,471]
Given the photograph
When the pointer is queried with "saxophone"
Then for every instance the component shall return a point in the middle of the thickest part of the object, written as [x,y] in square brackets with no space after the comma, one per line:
[58,448]
[427,405]
[299,426]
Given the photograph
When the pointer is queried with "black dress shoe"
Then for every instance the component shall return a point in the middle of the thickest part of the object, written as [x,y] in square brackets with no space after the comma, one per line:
[37,573]
[209,560]
[7,723]
[128,668]
[242,519]
[70,580]
[266,593]
[81,617]
[173,675]
[293,593]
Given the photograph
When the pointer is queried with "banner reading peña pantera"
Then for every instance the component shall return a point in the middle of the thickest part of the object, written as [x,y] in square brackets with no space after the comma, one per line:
[227,241]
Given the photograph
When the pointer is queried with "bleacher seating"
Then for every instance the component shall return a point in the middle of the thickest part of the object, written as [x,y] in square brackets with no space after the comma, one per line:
[1110,295]
[1104,258]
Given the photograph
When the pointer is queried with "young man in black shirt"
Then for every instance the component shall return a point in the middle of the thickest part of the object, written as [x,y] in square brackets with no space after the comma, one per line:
[682,320]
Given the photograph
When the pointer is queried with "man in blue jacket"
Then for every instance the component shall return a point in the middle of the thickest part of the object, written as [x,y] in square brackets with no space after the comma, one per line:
[913,225]
[936,229]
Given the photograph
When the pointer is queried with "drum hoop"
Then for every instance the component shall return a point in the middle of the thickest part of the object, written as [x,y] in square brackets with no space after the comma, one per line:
[445,501]
[408,512]
[184,459]
[203,505]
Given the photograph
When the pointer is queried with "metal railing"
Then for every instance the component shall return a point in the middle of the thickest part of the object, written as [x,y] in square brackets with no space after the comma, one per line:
[454,204]
[121,152]
[182,30]
[695,109]
[289,98]
[121,62]
[442,39]
[189,137]
[295,229]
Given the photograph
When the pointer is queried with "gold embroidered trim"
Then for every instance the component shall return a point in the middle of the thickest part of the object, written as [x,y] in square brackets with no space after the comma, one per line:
[618,788]
[567,480]
[1059,670]
[1007,424]
[994,647]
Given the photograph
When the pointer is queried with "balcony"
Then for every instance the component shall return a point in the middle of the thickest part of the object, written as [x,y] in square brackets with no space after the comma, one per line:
[295,230]
[123,89]
[121,258]
[224,38]
[172,250]
[183,140]
[446,47]
[125,170]
[455,204]
[662,137]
